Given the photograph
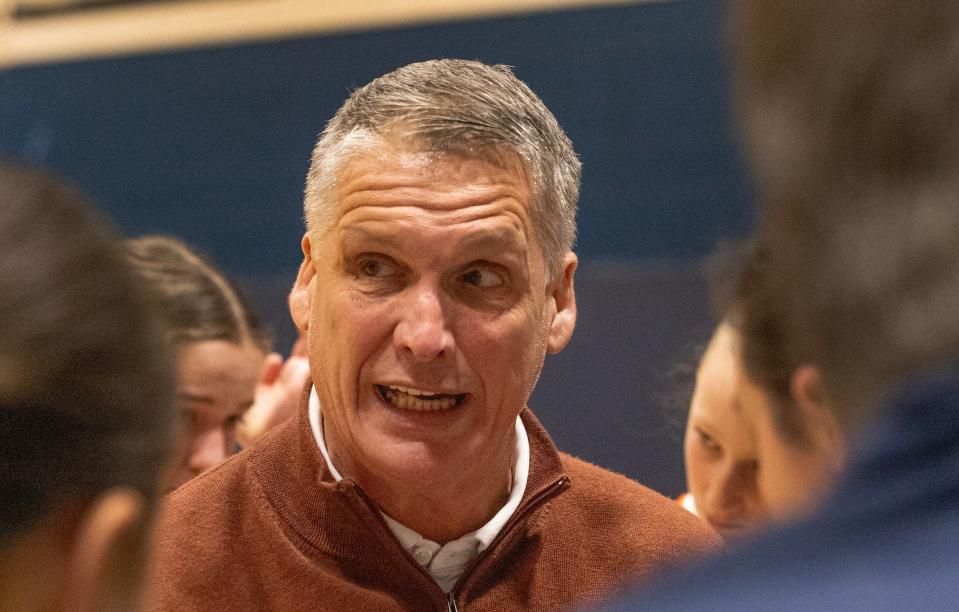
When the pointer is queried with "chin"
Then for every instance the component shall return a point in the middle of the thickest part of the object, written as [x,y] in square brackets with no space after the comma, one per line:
[416,460]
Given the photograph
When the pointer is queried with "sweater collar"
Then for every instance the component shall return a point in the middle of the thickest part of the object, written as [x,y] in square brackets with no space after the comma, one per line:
[289,468]
[444,562]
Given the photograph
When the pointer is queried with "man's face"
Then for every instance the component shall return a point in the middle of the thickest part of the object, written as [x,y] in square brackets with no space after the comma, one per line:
[428,313]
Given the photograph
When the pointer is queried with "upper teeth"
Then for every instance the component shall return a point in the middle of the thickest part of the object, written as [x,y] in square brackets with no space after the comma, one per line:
[413,392]
[417,399]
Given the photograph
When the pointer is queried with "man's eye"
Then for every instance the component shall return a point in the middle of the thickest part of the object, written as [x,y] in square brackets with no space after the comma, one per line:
[376,268]
[485,279]
[232,421]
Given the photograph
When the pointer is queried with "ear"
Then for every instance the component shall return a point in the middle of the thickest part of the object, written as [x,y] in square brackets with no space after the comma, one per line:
[561,304]
[301,296]
[107,556]
[809,396]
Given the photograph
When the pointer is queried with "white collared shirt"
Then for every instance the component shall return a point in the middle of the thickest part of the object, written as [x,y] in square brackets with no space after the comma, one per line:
[444,563]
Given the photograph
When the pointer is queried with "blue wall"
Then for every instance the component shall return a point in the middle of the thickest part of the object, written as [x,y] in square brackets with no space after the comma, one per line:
[213,145]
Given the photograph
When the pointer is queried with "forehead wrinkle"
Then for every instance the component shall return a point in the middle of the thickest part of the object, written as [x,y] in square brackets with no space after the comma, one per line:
[390,177]
[506,218]
[505,236]
[434,191]
[435,196]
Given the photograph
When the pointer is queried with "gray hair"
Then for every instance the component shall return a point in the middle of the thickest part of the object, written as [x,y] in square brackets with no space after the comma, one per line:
[462,107]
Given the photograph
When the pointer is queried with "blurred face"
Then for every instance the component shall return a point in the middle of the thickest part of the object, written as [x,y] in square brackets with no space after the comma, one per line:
[428,315]
[722,459]
[216,384]
[794,477]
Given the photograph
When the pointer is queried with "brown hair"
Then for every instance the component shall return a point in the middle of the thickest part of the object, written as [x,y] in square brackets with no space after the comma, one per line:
[852,117]
[738,274]
[85,380]
[195,301]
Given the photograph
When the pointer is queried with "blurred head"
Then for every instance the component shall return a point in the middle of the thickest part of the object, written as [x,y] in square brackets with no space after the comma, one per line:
[218,342]
[851,116]
[437,270]
[761,442]
[797,434]
[85,405]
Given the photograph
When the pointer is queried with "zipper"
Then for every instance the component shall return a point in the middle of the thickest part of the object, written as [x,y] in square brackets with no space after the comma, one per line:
[510,525]
[374,510]
[451,606]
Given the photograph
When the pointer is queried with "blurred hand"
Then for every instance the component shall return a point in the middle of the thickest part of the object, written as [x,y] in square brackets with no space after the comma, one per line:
[277,394]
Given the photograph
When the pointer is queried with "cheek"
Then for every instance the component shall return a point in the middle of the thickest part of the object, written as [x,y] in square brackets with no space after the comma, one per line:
[482,334]
[181,450]
[689,457]
[505,353]
[782,483]
[341,330]
[517,338]
[352,340]
[697,471]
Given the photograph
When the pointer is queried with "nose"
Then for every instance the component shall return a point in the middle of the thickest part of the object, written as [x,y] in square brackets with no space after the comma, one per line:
[423,330]
[207,449]
[733,496]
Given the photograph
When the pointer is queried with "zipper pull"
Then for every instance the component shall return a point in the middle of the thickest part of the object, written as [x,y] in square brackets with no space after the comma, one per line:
[451,603]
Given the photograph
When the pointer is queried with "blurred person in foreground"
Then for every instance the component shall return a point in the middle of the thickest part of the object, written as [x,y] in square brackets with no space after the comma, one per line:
[437,274]
[852,117]
[85,406]
[230,387]
[745,470]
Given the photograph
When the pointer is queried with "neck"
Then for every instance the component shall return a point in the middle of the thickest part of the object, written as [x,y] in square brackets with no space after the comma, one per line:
[444,516]
[439,506]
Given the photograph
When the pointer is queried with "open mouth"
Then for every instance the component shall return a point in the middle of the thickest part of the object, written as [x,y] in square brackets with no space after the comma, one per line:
[407,398]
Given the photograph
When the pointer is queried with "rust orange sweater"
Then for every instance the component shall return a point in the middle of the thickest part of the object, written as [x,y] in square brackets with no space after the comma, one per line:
[271,530]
